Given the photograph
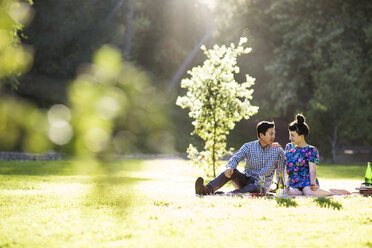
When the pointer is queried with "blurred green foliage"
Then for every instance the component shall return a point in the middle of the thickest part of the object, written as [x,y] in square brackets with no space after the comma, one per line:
[112,107]
[14,58]
[111,104]
[64,35]
[22,125]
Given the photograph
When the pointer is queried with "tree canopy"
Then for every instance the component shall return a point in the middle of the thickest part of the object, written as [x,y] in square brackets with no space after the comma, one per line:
[216,101]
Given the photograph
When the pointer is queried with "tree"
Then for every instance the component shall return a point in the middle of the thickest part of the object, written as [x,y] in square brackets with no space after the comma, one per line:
[316,56]
[15,59]
[341,105]
[216,101]
[157,34]
[251,19]
[22,125]
[64,34]
[320,67]
[128,31]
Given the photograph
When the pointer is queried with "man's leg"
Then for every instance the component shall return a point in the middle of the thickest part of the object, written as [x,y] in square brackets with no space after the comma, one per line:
[217,183]
[243,184]
[251,188]
[200,188]
[238,179]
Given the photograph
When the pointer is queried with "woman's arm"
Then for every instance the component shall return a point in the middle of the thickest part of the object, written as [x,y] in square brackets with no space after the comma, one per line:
[313,184]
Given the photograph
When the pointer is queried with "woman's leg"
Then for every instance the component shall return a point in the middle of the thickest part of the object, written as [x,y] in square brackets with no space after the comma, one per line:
[294,192]
[340,192]
[317,193]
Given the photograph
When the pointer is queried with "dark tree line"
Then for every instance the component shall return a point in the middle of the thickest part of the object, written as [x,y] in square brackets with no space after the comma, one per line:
[312,57]
[309,56]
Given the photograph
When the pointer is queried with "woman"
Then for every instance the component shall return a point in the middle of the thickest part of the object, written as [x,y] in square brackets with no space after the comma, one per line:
[301,162]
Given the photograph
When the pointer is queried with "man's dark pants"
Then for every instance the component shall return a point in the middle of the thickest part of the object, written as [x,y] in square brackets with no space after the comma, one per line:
[241,182]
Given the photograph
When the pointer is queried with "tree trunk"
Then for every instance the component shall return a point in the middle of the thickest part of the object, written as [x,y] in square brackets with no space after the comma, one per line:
[333,142]
[114,11]
[214,146]
[128,31]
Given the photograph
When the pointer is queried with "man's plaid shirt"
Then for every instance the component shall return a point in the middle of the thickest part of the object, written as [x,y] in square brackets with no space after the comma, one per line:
[260,161]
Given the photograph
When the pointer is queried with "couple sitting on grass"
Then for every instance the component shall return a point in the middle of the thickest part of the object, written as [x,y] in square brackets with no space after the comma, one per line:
[263,157]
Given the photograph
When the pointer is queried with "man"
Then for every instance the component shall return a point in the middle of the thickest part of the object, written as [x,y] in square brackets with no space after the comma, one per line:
[262,158]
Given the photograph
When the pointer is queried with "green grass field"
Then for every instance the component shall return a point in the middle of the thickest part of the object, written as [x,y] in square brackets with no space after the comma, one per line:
[152,204]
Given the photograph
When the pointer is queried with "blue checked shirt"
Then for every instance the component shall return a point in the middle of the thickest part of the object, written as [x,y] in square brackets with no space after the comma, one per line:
[260,161]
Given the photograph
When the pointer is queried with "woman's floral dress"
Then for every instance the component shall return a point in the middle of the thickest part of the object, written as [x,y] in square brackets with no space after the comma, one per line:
[297,162]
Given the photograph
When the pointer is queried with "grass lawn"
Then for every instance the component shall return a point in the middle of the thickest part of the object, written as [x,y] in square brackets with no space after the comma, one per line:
[152,204]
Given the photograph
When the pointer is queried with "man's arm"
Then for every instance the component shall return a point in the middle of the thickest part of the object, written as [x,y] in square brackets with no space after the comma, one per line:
[238,157]
[235,160]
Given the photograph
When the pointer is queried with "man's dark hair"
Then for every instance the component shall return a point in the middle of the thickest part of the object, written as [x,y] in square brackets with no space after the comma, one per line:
[263,126]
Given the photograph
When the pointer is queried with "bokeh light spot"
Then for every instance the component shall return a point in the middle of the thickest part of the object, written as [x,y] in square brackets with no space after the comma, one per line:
[59,112]
[60,132]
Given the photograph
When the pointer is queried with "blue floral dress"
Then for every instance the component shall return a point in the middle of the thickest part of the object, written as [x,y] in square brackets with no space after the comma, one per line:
[297,162]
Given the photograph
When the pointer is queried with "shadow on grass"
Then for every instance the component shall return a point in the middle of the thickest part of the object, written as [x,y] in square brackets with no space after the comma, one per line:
[118,180]
[110,195]
[66,167]
[110,183]
[286,202]
[327,203]
[115,192]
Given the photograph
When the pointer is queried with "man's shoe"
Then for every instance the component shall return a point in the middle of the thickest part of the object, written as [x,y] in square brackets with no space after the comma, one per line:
[200,188]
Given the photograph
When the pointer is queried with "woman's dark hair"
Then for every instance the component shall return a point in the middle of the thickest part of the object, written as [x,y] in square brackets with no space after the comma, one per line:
[263,126]
[299,125]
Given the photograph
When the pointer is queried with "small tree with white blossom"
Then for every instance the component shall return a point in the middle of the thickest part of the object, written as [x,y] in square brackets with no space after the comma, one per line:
[216,101]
